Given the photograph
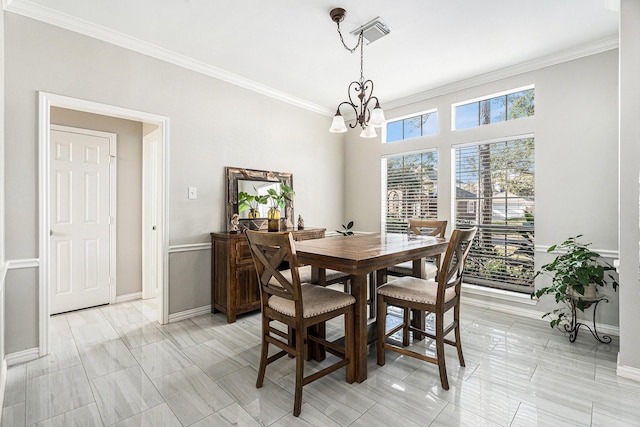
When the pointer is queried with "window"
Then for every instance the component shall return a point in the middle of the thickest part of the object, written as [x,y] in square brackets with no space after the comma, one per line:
[509,106]
[495,192]
[412,127]
[412,189]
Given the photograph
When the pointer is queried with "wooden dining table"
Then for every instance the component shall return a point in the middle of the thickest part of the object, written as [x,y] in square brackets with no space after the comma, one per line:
[359,255]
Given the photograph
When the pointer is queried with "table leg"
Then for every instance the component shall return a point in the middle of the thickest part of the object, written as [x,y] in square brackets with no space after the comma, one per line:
[417,316]
[359,292]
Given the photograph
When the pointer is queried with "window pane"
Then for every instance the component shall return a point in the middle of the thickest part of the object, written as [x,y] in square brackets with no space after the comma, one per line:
[394,131]
[493,110]
[412,189]
[412,127]
[520,104]
[467,116]
[430,124]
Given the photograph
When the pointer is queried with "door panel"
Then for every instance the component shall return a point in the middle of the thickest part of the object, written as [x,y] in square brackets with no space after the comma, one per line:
[79,272]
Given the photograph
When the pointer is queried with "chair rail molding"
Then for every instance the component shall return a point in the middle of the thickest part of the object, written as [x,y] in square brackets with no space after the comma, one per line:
[605,253]
[189,247]
[14,264]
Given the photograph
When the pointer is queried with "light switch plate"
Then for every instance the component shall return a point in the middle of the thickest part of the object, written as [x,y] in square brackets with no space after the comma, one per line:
[193,193]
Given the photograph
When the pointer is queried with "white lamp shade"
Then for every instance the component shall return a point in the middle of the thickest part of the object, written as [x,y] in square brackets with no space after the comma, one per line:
[337,125]
[377,118]
[368,132]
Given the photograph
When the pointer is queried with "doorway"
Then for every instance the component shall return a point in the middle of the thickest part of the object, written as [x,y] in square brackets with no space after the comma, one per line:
[47,101]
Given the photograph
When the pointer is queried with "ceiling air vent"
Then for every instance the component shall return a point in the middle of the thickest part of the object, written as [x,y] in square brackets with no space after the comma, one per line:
[372,30]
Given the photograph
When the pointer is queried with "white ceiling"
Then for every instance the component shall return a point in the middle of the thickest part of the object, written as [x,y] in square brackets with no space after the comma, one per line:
[290,48]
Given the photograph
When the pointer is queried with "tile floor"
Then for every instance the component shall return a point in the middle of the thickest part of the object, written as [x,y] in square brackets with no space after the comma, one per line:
[115,365]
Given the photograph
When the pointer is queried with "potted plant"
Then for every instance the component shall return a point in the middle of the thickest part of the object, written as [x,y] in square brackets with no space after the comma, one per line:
[575,275]
[251,202]
[277,200]
[346,229]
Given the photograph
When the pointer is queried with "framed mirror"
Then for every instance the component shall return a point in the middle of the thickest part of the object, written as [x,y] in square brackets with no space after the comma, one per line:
[255,182]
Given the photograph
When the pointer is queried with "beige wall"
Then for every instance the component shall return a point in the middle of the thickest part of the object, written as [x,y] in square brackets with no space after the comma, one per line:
[212,124]
[629,188]
[576,149]
[2,260]
[128,193]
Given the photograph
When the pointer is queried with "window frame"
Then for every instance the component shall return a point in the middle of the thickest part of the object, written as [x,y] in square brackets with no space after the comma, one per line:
[384,178]
[486,283]
[484,98]
[384,132]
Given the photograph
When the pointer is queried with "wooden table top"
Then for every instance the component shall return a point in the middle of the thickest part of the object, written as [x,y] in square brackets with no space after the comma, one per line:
[363,253]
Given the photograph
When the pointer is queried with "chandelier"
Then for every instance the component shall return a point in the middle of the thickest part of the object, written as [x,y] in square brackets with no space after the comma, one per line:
[366,117]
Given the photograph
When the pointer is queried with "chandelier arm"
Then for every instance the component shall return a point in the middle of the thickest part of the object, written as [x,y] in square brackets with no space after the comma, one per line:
[352,105]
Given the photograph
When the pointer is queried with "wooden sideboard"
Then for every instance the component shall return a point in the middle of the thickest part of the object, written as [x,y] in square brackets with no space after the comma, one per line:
[234,282]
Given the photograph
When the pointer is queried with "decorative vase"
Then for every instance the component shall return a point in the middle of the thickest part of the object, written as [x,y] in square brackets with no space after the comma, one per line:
[273,218]
[253,213]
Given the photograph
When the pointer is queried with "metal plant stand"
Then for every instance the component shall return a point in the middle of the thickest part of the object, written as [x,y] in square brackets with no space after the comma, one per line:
[574,326]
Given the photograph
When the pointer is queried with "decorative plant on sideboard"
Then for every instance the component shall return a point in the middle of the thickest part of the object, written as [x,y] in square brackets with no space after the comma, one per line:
[251,202]
[277,200]
[575,275]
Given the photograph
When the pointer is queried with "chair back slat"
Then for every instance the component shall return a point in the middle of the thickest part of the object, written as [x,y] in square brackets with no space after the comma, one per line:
[453,264]
[436,228]
[269,250]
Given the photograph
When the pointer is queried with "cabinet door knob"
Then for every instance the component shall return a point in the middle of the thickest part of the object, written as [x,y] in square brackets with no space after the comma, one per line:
[153,228]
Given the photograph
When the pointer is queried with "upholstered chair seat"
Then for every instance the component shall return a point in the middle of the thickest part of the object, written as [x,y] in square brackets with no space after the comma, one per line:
[415,290]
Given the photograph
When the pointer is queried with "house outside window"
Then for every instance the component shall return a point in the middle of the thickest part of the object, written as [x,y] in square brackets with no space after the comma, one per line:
[411,190]
[495,192]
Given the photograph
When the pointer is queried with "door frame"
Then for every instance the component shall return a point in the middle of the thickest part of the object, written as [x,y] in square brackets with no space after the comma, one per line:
[113,191]
[46,101]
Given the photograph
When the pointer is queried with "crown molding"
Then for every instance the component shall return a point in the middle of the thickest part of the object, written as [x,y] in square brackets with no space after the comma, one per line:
[503,73]
[31,10]
[71,23]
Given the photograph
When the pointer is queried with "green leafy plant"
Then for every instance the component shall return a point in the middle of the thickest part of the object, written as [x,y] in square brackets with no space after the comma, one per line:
[571,272]
[250,201]
[346,229]
[278,199]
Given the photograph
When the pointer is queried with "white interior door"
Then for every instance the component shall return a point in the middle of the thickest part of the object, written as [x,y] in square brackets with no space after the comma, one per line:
[80,249]
[151,214]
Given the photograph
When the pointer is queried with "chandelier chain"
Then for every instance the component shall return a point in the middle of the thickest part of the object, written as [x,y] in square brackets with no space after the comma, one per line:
[360,36]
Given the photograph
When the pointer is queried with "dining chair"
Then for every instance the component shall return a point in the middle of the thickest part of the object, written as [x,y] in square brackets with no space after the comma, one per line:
[301,307]
[413,294]
[418,227]
[422,227]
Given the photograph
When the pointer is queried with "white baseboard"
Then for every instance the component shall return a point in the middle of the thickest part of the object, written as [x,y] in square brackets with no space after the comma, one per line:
[531,314]
[23,356]
[3,384]
[176,317]
[128,297]
[627,371]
